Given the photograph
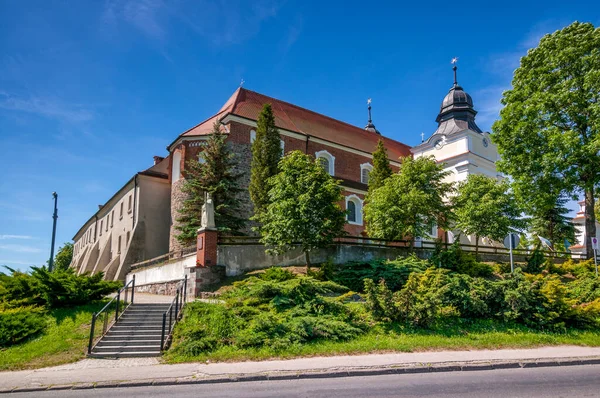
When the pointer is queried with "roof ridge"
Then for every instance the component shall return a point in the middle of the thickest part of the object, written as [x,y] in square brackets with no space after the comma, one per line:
[322,115]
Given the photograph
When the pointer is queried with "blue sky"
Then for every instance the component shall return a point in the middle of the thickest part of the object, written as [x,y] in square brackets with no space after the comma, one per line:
[91,90]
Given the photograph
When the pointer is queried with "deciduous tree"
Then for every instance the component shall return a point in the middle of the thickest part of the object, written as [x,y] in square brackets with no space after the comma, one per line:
[410,202]
[303,207]
[547,134]
[486,208]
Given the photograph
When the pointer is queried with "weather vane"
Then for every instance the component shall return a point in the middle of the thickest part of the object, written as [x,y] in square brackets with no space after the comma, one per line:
[369,107]
[242,82]
[422,137]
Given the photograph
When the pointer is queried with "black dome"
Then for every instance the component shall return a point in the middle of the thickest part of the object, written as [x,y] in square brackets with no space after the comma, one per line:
[456,98]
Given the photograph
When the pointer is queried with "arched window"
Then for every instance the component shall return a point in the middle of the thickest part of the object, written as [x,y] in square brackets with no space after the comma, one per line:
[252,136]
[351,211]
[327,161]
[176,171]
[365,169]
[354,208]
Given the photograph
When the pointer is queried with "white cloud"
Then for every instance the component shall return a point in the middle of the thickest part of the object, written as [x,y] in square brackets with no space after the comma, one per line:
[46,107]
[2,237]
[20,248]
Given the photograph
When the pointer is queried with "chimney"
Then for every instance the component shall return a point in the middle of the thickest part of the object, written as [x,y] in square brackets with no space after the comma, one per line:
[158,159]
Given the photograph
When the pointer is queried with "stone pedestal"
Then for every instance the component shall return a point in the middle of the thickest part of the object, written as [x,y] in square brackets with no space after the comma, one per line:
[206,272]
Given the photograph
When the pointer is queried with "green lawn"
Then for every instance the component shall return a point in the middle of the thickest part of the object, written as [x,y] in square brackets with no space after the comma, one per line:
[396,338]
[64,340]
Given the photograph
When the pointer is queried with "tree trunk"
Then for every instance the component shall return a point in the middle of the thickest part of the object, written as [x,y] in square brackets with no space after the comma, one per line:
[590,221]
[307,255]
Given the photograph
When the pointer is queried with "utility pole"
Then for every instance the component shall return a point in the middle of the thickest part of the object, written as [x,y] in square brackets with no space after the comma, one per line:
[55,216]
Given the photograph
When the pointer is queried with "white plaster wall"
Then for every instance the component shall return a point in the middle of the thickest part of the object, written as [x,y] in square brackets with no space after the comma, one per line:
[162,273]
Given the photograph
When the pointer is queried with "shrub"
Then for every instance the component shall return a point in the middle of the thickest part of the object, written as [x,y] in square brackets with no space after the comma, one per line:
[18,324]
[395,272]
[277,274]
[537,262]
[455,259]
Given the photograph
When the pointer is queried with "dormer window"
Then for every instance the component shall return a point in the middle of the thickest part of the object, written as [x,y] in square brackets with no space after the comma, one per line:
[365,169]
[327,160]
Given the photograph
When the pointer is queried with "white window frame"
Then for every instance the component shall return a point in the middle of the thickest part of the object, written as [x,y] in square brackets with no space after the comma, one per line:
[358,203]
[252,136]
[329,157]
[176,169]
[364,166]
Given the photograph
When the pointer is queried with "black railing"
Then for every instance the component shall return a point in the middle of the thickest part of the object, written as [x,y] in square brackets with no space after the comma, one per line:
[105,315]
[173,314]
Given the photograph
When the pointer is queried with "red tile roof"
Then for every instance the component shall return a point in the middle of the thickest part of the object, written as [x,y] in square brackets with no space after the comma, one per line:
[248,104]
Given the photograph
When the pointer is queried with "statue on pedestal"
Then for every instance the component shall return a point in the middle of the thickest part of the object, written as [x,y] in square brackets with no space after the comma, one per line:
[208,213]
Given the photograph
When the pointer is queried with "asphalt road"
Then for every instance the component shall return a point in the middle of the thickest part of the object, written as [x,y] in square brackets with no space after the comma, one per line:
[568,381]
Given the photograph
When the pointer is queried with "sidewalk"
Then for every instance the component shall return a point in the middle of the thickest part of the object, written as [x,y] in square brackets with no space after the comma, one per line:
[96,373]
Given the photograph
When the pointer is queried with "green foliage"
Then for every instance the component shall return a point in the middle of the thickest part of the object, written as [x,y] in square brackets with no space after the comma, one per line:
[456,259]
[548,130]
[266,154]
[485,207]
[381,167]
[214,172]
[275,310]
[63,257]
[18,324]
[410,202]
[60,288]
[303,207]
[550,219]
[395,272]
[536,262]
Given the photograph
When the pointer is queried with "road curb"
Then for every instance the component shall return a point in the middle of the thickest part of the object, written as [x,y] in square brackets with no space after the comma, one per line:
[318,374]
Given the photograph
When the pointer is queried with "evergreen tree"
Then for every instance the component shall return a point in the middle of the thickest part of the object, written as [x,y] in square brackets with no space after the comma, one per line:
[214,173]
[266,154]
[552,222]
[303,207]
[381,167]
[63,257]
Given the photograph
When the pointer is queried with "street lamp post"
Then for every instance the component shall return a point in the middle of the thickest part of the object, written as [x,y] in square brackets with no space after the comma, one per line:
[55,216]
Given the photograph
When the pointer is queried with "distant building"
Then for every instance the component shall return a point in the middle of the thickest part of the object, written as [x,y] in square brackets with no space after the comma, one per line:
[152,198]
[579,221]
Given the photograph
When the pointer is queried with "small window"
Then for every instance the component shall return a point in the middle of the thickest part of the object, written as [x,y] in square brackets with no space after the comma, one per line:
[129,205]
[252,136]
[365,170]
[176,170]
[327,161]
[121,211]
[112,218]
[351,211]
[282,144]
[101,223]
[107,220]
[119,245]
[127,241]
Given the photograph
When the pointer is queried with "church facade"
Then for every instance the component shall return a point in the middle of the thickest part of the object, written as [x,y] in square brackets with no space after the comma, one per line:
[345,151]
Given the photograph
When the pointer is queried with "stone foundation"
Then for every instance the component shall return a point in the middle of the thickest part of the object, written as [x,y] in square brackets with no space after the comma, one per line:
[200,278]
[162,288]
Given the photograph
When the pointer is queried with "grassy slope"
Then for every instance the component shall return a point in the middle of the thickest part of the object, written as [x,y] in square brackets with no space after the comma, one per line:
[65,340]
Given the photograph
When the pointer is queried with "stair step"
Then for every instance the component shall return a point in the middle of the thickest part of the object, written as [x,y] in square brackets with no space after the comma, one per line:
[128,343]
[119,354]
[127,348]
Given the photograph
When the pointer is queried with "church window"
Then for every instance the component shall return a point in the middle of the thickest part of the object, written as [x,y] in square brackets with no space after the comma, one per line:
[112,218]
[121,212]
[282,144]
[107,220]
[327,161]
[252,136]
[119,245]
[354,210]
[127,241]
[101,223]
[176,166]
[129,205]
[365,169]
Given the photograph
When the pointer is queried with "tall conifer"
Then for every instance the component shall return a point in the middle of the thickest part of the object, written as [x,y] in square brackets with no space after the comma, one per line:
[213,172]
[266,153]
[381,167]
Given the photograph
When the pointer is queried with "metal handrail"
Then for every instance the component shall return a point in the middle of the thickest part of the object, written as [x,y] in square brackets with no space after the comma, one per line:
[177,307]
[105,311]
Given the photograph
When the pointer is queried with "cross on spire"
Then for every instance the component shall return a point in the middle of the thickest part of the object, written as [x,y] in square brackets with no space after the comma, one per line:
[369,108]
[454,68]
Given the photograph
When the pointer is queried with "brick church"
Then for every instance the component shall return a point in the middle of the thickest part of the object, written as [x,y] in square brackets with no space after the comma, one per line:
[138,222]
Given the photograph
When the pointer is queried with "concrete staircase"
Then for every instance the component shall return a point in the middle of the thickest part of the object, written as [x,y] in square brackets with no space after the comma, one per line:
[136,334]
